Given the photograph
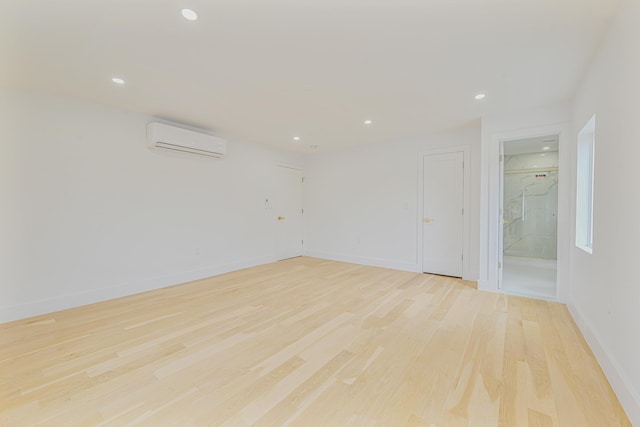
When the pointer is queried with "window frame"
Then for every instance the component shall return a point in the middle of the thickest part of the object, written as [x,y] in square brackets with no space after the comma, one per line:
[585,166]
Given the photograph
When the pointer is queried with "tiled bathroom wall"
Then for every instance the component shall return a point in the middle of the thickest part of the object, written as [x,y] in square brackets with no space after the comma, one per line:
[531,205]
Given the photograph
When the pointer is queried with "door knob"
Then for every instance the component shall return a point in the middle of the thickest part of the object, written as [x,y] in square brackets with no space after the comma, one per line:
[280,218]
[428,220]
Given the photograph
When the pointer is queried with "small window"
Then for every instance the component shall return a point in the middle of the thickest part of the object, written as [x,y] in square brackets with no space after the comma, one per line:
[584,187]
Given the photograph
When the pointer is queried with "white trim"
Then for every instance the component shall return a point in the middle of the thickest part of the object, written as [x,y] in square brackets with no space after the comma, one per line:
[501,218]
[290,166]
[466,224]
[587,249]
[586,139]
[628,396]
[299,172]
[373,262]
[564,204]
[63,302]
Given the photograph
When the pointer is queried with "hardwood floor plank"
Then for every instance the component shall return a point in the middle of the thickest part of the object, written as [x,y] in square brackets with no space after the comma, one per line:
[305,342]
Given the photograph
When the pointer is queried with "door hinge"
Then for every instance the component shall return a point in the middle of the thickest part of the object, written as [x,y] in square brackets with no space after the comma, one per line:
[462,211]
[302,211]
[303,179]
[499,264]
[501,157]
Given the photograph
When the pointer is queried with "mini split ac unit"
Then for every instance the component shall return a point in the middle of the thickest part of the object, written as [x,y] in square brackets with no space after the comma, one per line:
[166,137]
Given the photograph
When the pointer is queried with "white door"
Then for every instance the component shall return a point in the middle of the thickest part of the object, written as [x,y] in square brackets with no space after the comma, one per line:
[289,212]
[443,203]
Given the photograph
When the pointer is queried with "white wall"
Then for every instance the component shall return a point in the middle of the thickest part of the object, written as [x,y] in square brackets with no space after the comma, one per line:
[90,213]
[522,124]
[363,203]
[605,291]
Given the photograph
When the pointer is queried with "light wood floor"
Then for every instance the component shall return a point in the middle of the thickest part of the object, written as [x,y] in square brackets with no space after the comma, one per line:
[305,342]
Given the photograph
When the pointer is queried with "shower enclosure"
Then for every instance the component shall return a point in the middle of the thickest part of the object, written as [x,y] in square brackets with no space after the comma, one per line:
[530,213]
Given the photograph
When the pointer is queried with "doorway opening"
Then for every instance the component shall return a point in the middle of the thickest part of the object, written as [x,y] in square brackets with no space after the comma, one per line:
[529,215]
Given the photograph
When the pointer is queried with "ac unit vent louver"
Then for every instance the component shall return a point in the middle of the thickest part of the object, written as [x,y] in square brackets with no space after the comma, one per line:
[167,137]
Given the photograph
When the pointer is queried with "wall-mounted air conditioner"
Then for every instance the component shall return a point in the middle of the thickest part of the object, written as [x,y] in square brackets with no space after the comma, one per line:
[167,137]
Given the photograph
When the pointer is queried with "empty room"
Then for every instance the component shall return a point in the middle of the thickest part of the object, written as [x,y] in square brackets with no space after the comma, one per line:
[414,213]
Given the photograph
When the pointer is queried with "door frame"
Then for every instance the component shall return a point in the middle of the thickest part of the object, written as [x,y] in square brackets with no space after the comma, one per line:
[494,245]
[501,217]
[466,220]
[501,213]
[278,166]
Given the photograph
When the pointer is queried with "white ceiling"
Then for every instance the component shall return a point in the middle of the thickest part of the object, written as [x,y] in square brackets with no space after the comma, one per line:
[263,71]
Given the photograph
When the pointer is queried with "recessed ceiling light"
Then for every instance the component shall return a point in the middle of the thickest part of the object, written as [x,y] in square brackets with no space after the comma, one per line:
[546,148]
[117,80]
[296,138]
[480,96]
[189,14]
[367,122]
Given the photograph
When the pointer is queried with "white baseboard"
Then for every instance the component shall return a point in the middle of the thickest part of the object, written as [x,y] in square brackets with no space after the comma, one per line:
[628,396]
[63,302]
[374,262]
[487,286]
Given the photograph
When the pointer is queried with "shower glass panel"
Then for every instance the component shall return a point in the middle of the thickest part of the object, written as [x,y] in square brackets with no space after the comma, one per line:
[530,212]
